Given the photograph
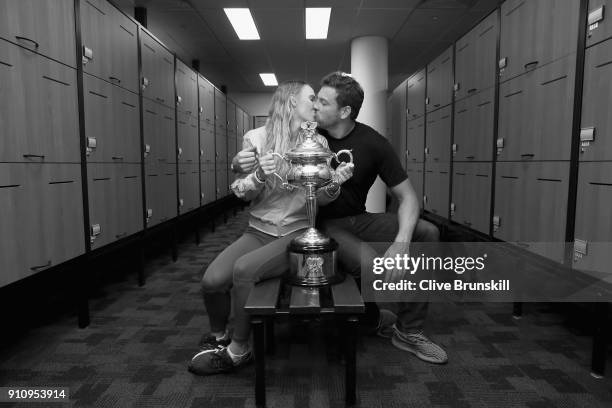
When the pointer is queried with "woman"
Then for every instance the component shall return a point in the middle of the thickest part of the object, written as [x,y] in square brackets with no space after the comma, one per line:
[276,217]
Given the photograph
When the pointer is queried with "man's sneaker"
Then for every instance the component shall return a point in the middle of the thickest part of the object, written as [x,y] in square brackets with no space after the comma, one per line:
[386,322]
[216,361]
[419,345]
[210,342]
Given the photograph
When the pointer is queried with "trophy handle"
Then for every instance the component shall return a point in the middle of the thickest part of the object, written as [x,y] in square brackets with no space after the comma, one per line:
[344,151]
[284,181]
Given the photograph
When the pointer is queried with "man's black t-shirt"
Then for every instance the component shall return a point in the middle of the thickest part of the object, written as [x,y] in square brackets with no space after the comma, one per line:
[373,156]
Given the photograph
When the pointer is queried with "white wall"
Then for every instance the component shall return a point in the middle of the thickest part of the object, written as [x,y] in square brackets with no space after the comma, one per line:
[256,104]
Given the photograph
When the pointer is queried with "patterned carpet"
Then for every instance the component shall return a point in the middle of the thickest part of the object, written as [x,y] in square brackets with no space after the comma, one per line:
[135,353]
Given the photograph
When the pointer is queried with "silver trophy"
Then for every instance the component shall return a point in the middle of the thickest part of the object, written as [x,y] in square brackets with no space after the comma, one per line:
[313,254]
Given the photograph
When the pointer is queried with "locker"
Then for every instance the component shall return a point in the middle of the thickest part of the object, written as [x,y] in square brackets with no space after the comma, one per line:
[188,145]
[46,92]
[211,189]
[438,135]
[221,182]
[189,187]
[535,33]
[220,112]
[186,89]
[231,118]
[535,113]
[397,136]
[415,145]
[42,26]
[109,41]
[104,203]
[154,190]
[531,206]
[43,217]
[130,200]
[207,101]
[465,64]
[598,25]
[112,122]
[596,101]
[415,175]
[416,95]
[440,81]
[474,122]
[436,188]
[592,248]
[157,82]
[207,142]
[170,186]
[158,130]
[471,201]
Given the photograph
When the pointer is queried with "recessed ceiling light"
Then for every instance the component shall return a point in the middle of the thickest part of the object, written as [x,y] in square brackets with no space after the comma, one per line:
[317,22]
[269,79]
[243,23]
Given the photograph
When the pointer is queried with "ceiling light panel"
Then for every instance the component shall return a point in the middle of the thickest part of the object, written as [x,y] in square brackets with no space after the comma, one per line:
[269,79]
[243,23]
[317,22]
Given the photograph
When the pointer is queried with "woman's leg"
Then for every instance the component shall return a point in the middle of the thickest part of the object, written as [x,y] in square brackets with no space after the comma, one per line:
[217,280]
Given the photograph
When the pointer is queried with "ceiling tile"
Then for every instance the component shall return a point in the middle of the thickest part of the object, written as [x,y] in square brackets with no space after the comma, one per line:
[380,22]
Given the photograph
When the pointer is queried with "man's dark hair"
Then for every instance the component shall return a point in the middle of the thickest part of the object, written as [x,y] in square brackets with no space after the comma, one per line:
[350,93]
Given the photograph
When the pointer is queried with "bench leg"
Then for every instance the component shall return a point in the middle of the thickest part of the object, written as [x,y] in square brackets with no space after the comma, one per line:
[351,361]
[270,341]
[517,310]
[598,353]
[260,362]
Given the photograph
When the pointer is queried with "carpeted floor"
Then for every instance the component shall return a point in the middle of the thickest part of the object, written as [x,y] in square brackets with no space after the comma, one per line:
[135,353]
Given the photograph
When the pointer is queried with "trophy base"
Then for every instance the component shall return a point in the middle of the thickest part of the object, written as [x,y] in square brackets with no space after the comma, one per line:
[313,265]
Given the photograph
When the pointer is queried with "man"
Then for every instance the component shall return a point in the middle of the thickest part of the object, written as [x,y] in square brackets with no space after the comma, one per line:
[346,220]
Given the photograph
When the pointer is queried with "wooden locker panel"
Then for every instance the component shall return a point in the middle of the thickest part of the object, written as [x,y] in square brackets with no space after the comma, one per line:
[398,122]
[459,207]
[203,183]
[16,209]
[596,102]
[472,195]
[593,217]
[511,188]
[515,115]
[46,27]
[211,194]
[124,51]
[474,125]
[415,176]
[157,83]
[220,115]
[207,141]
[556,30]
[126,120]
[104,202]
[600,28]
[189,187]
[154,144]
[130,196]
[98,38]
[439,135]
[465,63]
[188,145]
[415,143]
[518,27]
[207,101]
[416,95]
[231,117]
[463,129]
[436,188]
[169,180]
[186,89]
[485,66]
[154,190]
[440,81]
[38,111]
[221,179]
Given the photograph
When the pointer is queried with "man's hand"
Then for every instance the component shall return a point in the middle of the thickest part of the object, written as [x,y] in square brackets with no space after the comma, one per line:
[401,249]
[267,164]
[245,161]
[343,172]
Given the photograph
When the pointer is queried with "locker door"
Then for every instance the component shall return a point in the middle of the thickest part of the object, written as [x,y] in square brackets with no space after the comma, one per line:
[431,134]
[556,29]
[152,121]
[518,22]
[514,115]
[38,110]
[102,144]
[596,102]
[166,76]
[124,51]
[485,65]
[207,100]
[483,121]
[480,197]
[212,182]
[154,194]
[188,151]
[598,27]
[416,95]
[203,183]
[126,120]
[169,188]
[97,36]
[433,83]
[465,65]
[444,89]
[43,26]
[551,104]
[168,134]
[130,217]
[16,207]
[437,182]
[415,175]
[416,140]
[460,205]
[150,82]
[439,144]
[510,201]
[593,217]
[104,203]
[463,129]
[188,197]
[186,89]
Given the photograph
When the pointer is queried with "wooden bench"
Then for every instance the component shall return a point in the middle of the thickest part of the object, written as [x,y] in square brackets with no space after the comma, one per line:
[266,302]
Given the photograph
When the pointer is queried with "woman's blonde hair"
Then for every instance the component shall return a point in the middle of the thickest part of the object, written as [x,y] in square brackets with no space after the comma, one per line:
[278,125]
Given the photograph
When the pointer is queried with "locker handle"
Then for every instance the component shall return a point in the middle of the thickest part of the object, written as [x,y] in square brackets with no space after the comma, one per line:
[472,90]
[30,156]
[466,222]
[162,100]
[527,155]
[114,79]
[469,157]
[531,64]
[121,235]
[35,268]
[117,157]
[20,38]
[437,105]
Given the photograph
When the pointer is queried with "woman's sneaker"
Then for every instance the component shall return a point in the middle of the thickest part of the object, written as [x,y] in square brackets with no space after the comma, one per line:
[217,361]
[419,345]
[211,342]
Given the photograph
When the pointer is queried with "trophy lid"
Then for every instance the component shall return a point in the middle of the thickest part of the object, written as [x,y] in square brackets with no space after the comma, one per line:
[310,148]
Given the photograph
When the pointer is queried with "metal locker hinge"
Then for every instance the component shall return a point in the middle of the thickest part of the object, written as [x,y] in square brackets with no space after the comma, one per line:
[580,249]
[95,230]
[178,99]
[87,54]
[595,17]
[147,150]
[454,149]
[500,145]
[587,135]
[181,202]
[145,82]
[452,209]
[496,223]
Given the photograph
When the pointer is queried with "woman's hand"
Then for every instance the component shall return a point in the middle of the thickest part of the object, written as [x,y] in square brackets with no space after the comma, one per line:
[343,172]
[267,164]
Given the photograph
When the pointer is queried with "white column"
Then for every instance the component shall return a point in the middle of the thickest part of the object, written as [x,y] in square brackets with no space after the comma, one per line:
[369,66]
